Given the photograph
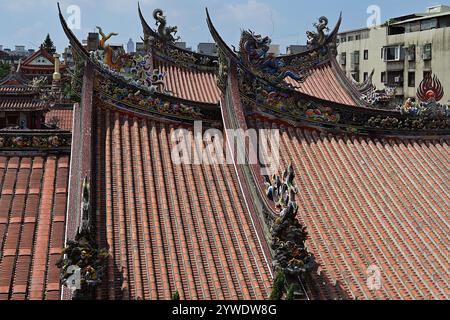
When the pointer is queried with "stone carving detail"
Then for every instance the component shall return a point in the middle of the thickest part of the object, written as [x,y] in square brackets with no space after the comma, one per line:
[110,91]
[381,99]
[223,70]
[31,141]
[288,235]
[267,99]
[82,265]
[167,33]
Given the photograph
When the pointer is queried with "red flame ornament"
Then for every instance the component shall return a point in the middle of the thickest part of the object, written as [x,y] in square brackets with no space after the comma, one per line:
[430,89]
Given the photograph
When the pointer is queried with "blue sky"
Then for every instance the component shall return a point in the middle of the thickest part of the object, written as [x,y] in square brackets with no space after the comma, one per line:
[26,22]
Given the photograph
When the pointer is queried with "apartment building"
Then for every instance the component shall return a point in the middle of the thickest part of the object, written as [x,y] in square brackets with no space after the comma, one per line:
[402,51]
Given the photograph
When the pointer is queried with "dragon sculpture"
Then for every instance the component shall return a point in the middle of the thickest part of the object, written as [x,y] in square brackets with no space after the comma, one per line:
[430,89]
[318,39]
[254,52]
[164,31]
[112,59]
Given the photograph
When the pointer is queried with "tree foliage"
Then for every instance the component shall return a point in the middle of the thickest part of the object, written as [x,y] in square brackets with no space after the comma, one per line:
[278,287]
[4,70]
[48,45]
[291,292]
[176,296]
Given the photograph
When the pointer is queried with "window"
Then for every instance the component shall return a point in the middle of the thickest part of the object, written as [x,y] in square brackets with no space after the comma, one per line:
[426,74]
[383,77]
[427,54]
[358,37]
[366,54]
[355,76]
[394,53]
[355,58]
[414,26]
[366,76]
[350,38]
[428,24]
[12,119]
[411,79]
[343,58]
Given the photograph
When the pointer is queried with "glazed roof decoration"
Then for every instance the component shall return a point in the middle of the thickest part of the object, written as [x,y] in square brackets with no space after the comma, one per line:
[310,88]
[430,89]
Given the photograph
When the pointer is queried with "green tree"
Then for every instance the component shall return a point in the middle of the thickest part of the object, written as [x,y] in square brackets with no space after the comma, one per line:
[48,45]
[176,296]
[4,70]
[278,286]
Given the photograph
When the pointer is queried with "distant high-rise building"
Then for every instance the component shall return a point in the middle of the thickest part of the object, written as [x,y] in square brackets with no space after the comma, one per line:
[130,46]
[207,48]
[1,47]
[20,51]
[19,48]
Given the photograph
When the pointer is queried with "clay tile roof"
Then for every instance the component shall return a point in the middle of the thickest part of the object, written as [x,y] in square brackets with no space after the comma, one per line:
[21,104]
[64,116]
[189,84]
[33,192]
[323,83]
[171,228]
[40,52]
[374,206]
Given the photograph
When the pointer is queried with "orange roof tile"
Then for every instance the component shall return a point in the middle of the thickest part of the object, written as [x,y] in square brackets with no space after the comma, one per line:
[32,221]
[374,205]
[189,84]
[323,83]
[65,117]
[171,228]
